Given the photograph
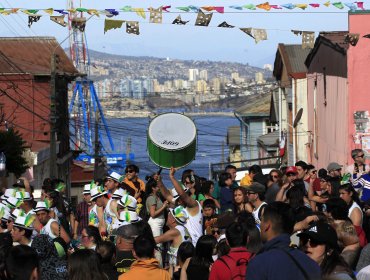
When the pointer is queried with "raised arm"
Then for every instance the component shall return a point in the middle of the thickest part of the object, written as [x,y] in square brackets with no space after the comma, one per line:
[164,191]
[188,200]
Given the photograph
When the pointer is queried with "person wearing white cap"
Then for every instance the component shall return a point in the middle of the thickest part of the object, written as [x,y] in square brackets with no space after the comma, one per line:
[118,194]
[113,182]
[8,193]
[50,226]
[128,217]
[4,216]
[177,232]
[22,230]
[193,208]
[127,202]
[110,208]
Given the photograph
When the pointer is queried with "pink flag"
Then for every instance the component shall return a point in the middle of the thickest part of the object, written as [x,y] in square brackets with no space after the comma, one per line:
[276,7]
[219,9]
[165,8]
[314,5]
[360,5]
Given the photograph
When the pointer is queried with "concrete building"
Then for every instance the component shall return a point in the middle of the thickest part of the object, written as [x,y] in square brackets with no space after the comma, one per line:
[201,87]
[193,75]
[259,78]
[203,75]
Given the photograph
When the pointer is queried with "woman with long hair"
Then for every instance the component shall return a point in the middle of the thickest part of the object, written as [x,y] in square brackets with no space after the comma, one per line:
[198,266]
[239,201]
[90,237]
[226,193]
[350,196]
[85,264]
[207,189]
[320,243]
[155,208]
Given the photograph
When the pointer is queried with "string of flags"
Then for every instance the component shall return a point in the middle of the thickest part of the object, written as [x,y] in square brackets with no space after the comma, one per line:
[156,17]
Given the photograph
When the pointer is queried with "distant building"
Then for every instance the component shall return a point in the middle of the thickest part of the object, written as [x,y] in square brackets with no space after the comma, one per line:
[193,75]
[148,86]
[201,87]
[259,78]
[138,90]
[235,76]
[203,75]
[216,86]
[268,67]
[126,88]
[168,86]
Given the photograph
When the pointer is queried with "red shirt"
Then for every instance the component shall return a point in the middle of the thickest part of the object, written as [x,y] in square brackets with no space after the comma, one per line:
[220,271]
[316,184]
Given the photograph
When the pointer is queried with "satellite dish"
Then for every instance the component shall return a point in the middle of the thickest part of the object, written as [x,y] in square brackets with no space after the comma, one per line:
[298,117]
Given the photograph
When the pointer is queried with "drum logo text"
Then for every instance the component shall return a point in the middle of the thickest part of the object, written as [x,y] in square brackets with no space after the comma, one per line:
[171,143]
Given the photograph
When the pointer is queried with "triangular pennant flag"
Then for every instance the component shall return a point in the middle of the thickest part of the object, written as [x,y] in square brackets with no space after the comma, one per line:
[297,32]
[259,34]
[112,24]
[81,10]
[352,38]
[314,5]
[185,9]
[301,6]
[247,31]
[93,12]
[194,9]
[61,12]
[59,20]
[360,5]
[165,8]
[208,8]
[30,12]
[32,19]
[250,6]
[126,9]
[236,7]
[289,6]
[6,12]
[264,6]
[132,27]
[49,11]
[327,4]
[179,21]
[226,25]
[140,12]
[155,15]
[308,40]
[112,12]
[351,6]
[276,7]
[338,5]
[220,10]
[71,10]
[203,19]
[79,23]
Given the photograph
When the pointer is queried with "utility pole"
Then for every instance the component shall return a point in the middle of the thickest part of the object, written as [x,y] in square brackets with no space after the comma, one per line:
[53,146]
[97,158]
[223,154]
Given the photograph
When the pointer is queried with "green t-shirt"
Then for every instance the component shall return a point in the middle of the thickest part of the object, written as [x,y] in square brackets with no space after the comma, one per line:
[200,197]
[153,200]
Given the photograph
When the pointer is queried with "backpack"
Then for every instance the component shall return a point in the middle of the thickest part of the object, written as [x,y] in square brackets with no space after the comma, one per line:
[238,268]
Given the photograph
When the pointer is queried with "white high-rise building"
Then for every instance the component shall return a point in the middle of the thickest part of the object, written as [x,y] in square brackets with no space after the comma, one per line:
[193,74]
[203,75]
[259,78]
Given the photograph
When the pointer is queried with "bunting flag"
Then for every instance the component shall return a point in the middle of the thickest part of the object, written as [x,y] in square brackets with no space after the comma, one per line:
[165,8]
[49,11]
[194,9]
[203,19]
[185,9]
[301,6]
[327,4]
[225,25]
[351,6]
[360,5]
[179,21]
[276,7]
[79,23]
[289,6]
[338,5]
[111,12]
[81,10]
[314,5]
[59,20]
[127,9]
[30,12]
[61,12]
[32,19]
[155,15]
[112,24]
[264,6]
[308,39]
[220,10]
[132,27]
[140,12]
[93,12]
[236,7]
[259,35]
[250,7]
[247,31]
[352,38]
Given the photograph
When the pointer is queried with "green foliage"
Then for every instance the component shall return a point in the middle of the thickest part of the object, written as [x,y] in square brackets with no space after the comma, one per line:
[13,146]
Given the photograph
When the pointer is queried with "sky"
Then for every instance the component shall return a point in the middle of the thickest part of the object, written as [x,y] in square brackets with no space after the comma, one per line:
[184,42]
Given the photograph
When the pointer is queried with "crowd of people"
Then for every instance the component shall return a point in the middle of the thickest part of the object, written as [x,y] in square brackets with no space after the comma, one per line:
[297,222]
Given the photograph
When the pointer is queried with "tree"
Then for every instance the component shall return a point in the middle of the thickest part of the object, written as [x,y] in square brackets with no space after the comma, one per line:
[13,146]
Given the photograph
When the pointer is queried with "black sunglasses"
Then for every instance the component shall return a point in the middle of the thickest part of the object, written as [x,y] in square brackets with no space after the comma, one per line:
[130,171]
[313,243]
[361,156]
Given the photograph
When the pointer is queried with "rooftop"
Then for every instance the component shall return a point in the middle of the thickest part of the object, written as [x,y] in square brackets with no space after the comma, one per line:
[33,55]
[259,105]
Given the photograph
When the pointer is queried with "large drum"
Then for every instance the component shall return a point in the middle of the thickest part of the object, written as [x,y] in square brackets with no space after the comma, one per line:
[172,140]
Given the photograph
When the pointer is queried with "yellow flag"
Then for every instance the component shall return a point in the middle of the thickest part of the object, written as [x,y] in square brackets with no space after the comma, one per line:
[112,24]
[49,11]
[140,12]
[327,4]
[301,6]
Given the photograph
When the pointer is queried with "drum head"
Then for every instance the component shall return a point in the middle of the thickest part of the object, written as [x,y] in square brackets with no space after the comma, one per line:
[172,131]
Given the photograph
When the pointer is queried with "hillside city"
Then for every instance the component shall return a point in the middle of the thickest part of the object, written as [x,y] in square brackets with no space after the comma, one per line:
[188,82]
